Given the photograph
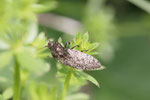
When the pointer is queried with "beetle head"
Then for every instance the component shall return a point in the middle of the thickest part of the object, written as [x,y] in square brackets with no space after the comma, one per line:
[50,44]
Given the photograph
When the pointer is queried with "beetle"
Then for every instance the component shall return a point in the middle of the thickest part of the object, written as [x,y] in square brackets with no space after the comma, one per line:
[73,58]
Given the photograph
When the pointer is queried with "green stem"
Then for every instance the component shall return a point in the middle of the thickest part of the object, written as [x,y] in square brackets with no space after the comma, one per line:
[66,84]
[17,85]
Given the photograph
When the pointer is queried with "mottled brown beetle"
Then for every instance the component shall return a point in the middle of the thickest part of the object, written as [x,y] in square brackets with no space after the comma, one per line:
[74,58]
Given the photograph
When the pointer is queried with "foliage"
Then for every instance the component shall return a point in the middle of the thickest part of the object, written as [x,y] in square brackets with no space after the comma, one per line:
[22,49]
[28,71]
[20,42]
[143,4]
[78,77]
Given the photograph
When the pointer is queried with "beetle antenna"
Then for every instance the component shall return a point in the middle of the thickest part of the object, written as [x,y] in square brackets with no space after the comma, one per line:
[44,47]
[49,41]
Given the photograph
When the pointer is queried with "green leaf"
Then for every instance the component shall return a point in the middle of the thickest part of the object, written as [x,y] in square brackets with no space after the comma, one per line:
[101,68]
[32,32]
[60,41]
[40,91]
[93,53]
[84,44]
[5,58]
[1,97]
[6,78]
[28,61]
[53,94]
[76,81]
[46,6]
[3,45]
[40,41]
[8,93]
[86,36]
[89,78]
[78,96]
[94,45]
[143,4]
[78,36]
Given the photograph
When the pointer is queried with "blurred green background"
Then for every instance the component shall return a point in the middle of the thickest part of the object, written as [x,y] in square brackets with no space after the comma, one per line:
[122,27]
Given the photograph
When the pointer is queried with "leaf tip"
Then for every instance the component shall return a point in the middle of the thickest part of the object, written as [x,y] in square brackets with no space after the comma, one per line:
[102,68]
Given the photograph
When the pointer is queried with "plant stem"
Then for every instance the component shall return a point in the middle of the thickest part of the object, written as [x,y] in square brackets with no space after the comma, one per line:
[66,84]
[17,86]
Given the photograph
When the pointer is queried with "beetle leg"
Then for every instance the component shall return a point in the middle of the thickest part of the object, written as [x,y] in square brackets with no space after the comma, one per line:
[67,44]
[84,50]
[75,46]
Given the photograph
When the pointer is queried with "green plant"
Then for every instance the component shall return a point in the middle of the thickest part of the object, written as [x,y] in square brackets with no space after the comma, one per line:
[21,56]
[75,77]
[19,48]
[143,4]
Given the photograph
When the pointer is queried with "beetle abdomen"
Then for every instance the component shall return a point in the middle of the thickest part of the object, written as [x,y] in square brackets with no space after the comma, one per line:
[80,60]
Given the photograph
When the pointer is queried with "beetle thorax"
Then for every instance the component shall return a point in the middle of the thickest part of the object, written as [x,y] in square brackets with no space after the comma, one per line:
[57,50]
